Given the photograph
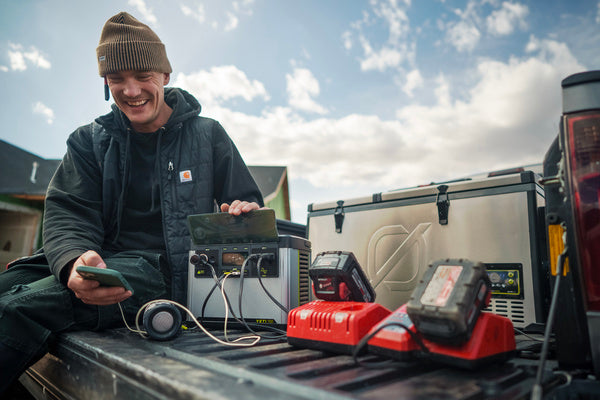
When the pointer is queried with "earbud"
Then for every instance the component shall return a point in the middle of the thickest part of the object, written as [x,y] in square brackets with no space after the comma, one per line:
[106,90]
[162,321]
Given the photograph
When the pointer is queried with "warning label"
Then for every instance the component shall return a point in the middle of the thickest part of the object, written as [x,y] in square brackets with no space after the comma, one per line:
[441,285]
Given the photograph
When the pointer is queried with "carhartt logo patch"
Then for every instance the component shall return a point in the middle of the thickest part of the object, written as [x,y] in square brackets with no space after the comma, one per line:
[101,58]
[185,176]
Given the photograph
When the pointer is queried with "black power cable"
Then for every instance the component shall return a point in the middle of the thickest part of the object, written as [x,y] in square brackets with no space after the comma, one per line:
[362,343]
[281,333]
[537,390]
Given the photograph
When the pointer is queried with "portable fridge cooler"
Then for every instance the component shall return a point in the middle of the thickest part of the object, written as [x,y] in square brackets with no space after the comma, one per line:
[395,235]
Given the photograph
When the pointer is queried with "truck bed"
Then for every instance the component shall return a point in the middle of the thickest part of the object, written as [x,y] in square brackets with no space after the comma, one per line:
[118,364]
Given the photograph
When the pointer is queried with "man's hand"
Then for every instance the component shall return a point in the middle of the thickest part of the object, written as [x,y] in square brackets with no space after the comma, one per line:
[238,207]
[88,290]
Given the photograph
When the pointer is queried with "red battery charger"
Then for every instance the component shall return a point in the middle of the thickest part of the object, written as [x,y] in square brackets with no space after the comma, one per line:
[345,312]
[334,326]
[445,318]
[492,340]
[390,337]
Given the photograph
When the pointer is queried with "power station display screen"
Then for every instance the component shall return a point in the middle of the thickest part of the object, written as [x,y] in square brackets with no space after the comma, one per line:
[226,259]
[234,259]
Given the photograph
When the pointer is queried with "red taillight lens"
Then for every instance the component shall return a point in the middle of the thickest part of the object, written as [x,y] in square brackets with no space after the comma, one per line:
[584,152]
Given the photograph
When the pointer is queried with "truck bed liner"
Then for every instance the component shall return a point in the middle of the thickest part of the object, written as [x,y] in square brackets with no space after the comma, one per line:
[121,365]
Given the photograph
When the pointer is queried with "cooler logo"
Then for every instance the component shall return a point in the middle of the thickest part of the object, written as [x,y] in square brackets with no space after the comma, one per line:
[185,176]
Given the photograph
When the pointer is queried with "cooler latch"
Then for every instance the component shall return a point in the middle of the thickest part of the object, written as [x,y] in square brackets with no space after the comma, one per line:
[443,203]
[339,216]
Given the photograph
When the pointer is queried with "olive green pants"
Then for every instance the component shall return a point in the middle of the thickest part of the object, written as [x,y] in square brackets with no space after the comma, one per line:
[35,306]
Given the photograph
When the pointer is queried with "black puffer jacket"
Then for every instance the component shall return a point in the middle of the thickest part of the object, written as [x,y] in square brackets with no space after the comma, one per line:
[84,200]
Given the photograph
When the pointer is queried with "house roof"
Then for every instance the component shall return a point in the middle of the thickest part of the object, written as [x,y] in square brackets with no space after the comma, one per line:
[268,179]
[24,173]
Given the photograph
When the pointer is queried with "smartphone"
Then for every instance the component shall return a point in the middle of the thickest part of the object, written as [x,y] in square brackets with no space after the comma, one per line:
[106,277]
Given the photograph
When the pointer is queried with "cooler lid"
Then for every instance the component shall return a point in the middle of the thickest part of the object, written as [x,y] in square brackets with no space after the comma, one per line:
[462,185]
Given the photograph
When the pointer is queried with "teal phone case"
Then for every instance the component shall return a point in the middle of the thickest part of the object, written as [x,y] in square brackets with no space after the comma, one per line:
[106,277]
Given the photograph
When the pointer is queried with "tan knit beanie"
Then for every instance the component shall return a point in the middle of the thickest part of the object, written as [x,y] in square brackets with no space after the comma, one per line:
[127,44]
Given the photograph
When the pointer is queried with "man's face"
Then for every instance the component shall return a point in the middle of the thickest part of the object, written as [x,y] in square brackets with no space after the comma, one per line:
[140,95]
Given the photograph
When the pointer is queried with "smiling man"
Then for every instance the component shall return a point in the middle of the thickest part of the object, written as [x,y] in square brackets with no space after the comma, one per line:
[140,95]
[120,199]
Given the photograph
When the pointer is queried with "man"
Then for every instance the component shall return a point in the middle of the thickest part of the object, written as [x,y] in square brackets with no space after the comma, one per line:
[120,199]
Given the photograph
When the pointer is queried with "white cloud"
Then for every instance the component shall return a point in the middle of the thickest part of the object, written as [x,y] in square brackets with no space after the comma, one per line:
[145,11]
[20,58]
[598,14]
[398,49]
[232,22]
[220,84]
[380,60]
[508,118]
[45,111]
[37,59]
[463,35]
[243,6]
[396,19]
[197,13]
[505,20]
[414,80]
[229,19]
[17,60]
[552,51]
[302,86]
[442,91]
[4,68]
[466,32]
[279,136]
[347,40]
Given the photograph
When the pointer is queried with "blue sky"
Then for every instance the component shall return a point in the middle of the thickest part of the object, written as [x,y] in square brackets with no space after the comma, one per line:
[354,97]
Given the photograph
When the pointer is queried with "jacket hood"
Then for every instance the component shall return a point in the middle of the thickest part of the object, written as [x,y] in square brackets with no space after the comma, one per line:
[184,106]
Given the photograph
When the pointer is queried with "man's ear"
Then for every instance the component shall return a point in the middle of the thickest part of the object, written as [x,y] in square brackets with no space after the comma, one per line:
[167,78]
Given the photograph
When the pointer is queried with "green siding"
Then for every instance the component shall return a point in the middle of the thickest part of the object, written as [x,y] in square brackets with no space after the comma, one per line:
[278,204]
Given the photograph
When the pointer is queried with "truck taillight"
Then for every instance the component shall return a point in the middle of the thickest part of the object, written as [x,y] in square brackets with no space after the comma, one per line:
[583,138]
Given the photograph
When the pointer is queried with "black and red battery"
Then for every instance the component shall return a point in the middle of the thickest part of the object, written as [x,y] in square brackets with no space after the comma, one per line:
[443,321]
[337,276]
[445,304]
[345,312]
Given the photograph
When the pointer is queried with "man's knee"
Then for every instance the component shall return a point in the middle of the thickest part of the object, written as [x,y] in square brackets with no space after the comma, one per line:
[22,274]
[30,312]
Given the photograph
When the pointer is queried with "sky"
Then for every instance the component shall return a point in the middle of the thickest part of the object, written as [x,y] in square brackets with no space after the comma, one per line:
[354,97]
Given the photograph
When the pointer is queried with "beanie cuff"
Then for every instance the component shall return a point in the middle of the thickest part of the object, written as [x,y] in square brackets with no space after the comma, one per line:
[132,56]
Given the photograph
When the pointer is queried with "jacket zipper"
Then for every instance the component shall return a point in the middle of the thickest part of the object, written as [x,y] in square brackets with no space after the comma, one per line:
[170,169]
